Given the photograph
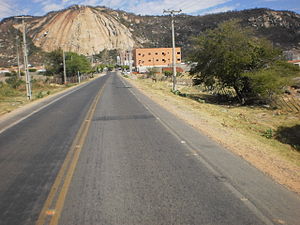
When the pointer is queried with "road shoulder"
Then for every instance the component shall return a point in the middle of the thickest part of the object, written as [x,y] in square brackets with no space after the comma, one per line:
[254,152]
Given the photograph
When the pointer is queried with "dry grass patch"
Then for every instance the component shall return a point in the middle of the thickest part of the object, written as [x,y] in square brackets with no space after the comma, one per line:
[11,99]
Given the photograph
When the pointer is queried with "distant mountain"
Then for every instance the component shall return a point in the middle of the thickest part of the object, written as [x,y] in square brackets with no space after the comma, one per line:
[89,30]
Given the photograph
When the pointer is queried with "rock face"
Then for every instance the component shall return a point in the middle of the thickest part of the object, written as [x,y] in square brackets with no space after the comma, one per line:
[80,29]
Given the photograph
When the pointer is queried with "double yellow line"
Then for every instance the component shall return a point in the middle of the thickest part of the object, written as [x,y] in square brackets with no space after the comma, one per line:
[53,206]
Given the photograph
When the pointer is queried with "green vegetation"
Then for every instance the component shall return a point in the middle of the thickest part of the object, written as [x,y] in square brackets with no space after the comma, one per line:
[268,133]
[168,73]
[74,63]
[231,57]
[125,67]
[54,63]
[13,92]
[32,70]
[14,82]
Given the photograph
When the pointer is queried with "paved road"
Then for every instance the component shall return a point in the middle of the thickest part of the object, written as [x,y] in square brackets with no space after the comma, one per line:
[139,165]
[32,153]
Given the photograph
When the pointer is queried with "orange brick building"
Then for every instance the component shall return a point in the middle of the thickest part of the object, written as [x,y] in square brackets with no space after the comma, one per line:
[155,57]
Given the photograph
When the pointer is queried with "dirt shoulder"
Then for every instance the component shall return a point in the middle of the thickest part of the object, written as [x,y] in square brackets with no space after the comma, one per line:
[238,129]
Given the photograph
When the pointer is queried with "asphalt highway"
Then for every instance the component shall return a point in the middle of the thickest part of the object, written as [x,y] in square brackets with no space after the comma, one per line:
[31,154]
[107,155]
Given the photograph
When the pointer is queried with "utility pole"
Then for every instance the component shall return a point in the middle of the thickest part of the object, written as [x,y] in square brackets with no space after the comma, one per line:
[130,61]
[64,63]
[18,57]
[93,55]
[78,74]
[28,81]
[172,12]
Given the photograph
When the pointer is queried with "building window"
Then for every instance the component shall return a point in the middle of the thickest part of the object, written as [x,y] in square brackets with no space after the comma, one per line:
[149,60]
[139,53]
[178,53]
[156,53]
[149,53]
[157,60]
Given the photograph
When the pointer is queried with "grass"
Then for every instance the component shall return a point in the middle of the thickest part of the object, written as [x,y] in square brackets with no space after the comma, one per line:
[273,128]
[13,98]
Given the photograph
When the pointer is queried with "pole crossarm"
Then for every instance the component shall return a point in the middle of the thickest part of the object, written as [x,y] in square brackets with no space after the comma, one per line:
[172,12]
[23,17]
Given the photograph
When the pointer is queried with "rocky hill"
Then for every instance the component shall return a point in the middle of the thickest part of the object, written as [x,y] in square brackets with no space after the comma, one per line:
[89,30]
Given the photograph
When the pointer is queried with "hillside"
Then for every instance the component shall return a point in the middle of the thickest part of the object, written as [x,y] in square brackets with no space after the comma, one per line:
[280,27]
[89,30]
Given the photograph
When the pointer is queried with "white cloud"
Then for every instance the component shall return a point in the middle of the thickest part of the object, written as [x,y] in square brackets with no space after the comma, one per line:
[90,2]
[218,10]
[10,9]
[52,7]
[157,6]
[144,7]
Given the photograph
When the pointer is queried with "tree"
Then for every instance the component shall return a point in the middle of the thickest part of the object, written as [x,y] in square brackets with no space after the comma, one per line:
[74,63]
[269,81]
[54,63]
[232,57]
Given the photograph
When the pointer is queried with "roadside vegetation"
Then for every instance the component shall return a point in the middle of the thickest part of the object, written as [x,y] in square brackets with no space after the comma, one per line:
[13,88]
[13,92]
[78,69]
[74,63]
[231,57]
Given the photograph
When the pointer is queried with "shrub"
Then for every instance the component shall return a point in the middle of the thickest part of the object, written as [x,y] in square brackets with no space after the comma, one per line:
[268,133]
[14,82]
[32,70]
[7,91]
[40,95]
[168,73]
[8,74]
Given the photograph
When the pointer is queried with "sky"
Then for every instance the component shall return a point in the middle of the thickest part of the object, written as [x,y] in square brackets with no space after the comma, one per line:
[144,7]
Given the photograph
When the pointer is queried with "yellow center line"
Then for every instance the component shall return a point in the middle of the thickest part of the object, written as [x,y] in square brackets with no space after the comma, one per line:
[67,170]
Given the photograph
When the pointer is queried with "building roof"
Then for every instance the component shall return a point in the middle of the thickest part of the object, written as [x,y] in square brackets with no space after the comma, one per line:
[294,61]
